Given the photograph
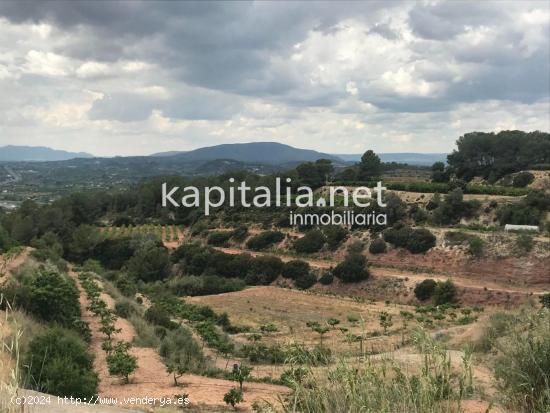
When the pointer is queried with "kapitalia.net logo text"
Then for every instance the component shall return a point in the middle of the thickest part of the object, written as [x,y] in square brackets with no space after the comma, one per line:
[283,195]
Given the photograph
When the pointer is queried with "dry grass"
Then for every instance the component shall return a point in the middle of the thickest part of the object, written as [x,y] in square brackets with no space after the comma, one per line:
[10,374]
[290,310]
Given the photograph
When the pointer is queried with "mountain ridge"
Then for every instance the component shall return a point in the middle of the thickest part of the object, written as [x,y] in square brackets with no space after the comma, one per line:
[16,153]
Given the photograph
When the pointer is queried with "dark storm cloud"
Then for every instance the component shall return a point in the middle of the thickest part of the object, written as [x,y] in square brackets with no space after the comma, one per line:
[215,59]
[444,20]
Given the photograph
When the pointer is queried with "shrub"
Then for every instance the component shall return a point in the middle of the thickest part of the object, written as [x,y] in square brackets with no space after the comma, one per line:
[158,316]
[524,243]
[264,240]
[420,240]
[193,285]
[181,352]
[295,269]
[120,362]
[352,269]
[377,246]
[444,293]
[311,242]
[58,363]
[218,238]
[52,298]
[146,333]
[522,179]
[327,278]
[335,235]
[545,300]
[475,246]
[519,214]
[149,264]
[265,269]
[305,281]
[239,234]
[233,397]
[424,290]
[123,309]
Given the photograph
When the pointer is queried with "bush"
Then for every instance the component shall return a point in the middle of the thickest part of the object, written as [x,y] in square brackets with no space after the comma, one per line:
[352,269]
[181,352]
[425,290]
[58,363]
[475,246]
[522,179]
[524,243]
[420,240]
[311,242]
[519,214]
[327,278]
[377,246]
[444,293]
[239,234]
[193,285]
[295,269]
[158,316]
[49,296]
[149,264]
[265,269]
[335,235]
[264,240]
[305,281]
[233,397]
[123,309]
[218,238]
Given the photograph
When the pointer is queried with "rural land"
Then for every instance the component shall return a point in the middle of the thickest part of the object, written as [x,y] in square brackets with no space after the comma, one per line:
[109,297]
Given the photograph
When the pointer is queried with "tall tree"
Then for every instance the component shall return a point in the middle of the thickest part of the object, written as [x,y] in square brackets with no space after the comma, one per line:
[370,167]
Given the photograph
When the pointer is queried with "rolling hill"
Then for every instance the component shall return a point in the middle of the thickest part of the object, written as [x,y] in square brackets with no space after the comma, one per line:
[261,152]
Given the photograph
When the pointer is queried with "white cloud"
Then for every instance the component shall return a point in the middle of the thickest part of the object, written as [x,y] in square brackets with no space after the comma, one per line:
[387,76]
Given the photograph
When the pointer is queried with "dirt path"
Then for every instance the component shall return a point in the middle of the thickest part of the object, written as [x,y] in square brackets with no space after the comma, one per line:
[151,378]
[410,277]
[10,263]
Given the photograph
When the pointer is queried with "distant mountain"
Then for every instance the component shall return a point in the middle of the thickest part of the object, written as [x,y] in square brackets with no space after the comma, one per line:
[169,153]
[12,153]
[272,153]
[410,158]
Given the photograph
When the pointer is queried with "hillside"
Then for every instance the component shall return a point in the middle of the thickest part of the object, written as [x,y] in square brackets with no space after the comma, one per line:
[12,153]
[262,152]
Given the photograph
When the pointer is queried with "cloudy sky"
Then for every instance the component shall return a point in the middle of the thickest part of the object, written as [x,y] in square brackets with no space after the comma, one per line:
[141,77]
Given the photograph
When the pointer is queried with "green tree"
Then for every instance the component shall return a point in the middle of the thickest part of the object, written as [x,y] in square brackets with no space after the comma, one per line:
[424,290]
[120,362]
[233,397]
[444,293]
[241,374]
[311,242]
[352,269]
[149,264]
[83,241]
[370,167]
[295,269]
[439,173]
[385,321]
